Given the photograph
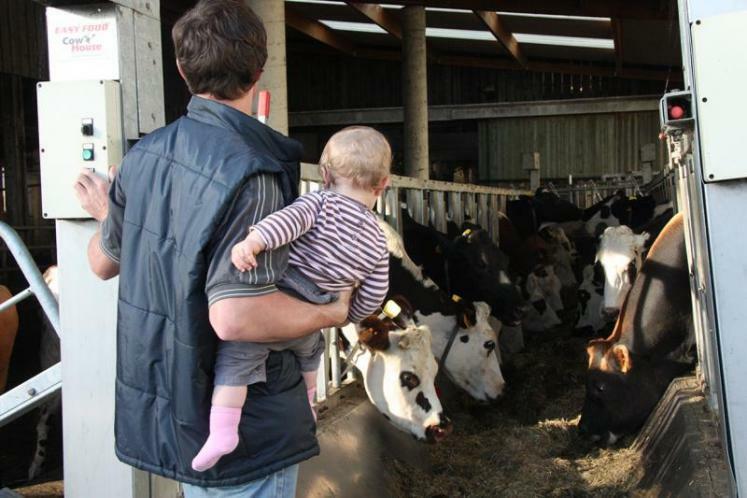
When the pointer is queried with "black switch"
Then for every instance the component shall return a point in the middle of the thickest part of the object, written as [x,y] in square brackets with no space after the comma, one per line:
[86,127]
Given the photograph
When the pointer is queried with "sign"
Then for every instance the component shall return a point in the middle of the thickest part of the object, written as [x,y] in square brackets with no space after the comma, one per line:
[82,43]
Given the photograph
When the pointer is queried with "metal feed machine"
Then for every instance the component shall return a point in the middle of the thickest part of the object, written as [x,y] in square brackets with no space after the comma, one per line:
[105,91]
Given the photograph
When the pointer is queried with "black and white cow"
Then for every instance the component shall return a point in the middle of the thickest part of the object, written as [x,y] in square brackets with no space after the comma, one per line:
[630,370]
[399,373]
[591,316]
[471,266]
[473,362]
[49,355]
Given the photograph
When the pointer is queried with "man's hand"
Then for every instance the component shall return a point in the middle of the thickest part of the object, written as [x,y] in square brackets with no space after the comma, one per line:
[93,193]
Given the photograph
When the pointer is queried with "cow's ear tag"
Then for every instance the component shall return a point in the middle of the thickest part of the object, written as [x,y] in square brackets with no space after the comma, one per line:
[455,298]
[392,309]
[466,232]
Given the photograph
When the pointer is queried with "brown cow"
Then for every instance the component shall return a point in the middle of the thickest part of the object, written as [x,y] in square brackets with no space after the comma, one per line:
[8,331]
[630,370]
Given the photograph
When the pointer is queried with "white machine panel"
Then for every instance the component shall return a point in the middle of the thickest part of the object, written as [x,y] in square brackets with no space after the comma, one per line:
[80,126]
[720,68]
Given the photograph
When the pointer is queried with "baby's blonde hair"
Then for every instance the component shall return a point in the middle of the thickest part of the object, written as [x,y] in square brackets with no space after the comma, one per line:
[358,153]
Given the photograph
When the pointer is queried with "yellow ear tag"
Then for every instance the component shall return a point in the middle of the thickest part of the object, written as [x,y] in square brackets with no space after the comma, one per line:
[466,232]
[456,298]
[392,309]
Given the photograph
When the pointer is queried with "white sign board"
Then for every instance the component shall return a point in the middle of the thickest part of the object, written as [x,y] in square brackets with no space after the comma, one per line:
[83,43]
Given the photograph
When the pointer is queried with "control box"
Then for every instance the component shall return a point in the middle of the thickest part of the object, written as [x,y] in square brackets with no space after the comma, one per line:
[80,126]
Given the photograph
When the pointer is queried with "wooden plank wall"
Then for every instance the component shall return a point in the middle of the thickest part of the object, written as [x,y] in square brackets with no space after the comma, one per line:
[584,145]
[23,39]
[319,81]
[23,62]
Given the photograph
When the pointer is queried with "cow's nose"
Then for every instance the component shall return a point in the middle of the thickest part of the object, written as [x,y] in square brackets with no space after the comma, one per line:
[490,346]
[437,433]
[610,312]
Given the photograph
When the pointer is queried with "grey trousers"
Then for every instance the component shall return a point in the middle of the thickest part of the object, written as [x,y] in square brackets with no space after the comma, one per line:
[243,363]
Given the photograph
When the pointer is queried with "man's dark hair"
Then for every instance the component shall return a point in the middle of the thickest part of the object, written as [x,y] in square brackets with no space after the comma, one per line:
[221,47]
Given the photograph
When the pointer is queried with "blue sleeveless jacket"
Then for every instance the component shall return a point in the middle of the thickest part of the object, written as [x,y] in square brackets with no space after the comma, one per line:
[179,183]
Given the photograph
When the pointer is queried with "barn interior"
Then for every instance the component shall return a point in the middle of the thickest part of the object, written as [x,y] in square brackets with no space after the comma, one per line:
[569,88]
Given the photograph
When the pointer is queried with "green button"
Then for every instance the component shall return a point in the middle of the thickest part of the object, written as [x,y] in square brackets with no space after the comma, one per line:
[88,154]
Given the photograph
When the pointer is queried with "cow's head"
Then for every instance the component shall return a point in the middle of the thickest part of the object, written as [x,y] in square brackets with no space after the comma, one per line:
[540,316]
[620,253]
[473,362]
[621,390]
[544,278]
[399,372]
[479,271]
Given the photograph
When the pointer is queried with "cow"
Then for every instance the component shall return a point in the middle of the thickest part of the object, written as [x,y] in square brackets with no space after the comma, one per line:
[590,297]
[619,209]
[629,371]
[620,254]
[539,316]
[602,215]
[527,214]
[471,266]
[399,372]
[49,355]
[8,332]
[559,254]
[473,361]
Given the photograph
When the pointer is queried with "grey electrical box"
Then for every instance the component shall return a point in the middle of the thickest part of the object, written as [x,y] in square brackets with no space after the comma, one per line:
[80,126]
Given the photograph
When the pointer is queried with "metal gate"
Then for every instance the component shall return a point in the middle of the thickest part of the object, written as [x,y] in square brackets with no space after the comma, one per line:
[37,389]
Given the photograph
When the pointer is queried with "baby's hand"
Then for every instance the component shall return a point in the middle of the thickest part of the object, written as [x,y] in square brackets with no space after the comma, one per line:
[243,254]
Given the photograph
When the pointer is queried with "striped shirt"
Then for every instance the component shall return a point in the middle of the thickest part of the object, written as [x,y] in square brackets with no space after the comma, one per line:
[336,242]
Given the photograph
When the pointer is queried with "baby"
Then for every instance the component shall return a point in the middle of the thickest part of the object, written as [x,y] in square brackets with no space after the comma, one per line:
[336,245]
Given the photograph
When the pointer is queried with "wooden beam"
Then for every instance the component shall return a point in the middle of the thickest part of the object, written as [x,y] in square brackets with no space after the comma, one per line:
[379,16]
[617,33]
[318,31]
[630,9]
[468,112]
[562,67]
[635,73]
[494,23]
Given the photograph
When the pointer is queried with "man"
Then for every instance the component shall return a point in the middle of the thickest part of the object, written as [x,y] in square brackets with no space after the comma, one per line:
[184,195]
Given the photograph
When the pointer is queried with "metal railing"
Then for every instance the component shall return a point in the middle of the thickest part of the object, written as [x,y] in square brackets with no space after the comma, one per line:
[430,202]
[587,193]
[37,389]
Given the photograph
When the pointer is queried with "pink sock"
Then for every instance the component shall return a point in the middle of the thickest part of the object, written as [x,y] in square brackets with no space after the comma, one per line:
[223,438]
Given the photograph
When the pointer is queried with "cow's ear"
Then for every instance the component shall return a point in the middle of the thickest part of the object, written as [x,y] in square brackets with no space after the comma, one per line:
[595,350]
[374,334]
[620,354]
[467,316]
[642,238]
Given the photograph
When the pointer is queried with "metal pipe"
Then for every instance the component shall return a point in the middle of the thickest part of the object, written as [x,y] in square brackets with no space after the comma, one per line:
[24,294]
[33,276]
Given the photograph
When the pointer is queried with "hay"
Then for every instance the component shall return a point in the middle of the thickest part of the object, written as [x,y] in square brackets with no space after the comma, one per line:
[526,444]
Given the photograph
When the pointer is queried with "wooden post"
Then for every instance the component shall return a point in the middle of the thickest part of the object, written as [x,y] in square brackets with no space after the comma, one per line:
[648,157]
[531,163]
[13,147]
[415,92]
[438,204]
